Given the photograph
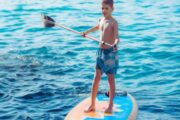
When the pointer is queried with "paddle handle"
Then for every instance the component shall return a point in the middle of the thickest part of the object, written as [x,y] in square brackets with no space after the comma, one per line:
[87,36]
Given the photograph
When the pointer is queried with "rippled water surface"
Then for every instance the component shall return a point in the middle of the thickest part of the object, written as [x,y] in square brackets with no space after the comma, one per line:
[44,72]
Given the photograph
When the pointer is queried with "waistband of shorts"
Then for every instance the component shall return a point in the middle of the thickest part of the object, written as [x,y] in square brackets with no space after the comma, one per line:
[108,49]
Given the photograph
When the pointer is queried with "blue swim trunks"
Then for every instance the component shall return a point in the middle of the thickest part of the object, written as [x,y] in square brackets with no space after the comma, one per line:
[107,60]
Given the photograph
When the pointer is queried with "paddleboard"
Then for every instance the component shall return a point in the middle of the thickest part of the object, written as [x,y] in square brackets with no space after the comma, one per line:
[124,108]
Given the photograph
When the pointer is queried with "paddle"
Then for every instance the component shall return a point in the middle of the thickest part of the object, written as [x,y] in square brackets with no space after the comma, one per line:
[49,22]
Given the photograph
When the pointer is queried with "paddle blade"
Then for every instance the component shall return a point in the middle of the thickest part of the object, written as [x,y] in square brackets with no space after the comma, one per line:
[48,21]
[119,93]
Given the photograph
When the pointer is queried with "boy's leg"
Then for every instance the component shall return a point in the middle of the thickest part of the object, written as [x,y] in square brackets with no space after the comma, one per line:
[111,81]
[94,90]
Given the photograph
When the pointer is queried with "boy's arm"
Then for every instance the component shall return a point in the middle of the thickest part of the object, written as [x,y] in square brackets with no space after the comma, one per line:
[116,33]
[92,29]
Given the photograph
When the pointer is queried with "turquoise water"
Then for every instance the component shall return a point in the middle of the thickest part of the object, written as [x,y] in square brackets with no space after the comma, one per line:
[45,72]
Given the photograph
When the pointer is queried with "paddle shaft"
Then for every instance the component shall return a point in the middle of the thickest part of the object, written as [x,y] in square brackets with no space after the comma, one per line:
[74,31]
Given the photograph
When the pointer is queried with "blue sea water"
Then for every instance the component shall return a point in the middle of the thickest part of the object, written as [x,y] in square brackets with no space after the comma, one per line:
[45,72]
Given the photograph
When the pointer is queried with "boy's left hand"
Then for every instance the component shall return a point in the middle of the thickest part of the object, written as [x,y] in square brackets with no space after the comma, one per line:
[115,44]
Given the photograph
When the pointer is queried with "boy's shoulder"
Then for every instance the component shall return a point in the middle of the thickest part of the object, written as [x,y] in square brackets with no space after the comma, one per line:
[114,20]
[101,18]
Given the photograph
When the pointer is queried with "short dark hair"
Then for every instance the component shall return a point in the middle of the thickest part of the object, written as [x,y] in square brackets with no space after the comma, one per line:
[108,2]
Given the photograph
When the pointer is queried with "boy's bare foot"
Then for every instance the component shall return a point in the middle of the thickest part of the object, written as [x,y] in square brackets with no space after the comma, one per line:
[109,110]
[91,108]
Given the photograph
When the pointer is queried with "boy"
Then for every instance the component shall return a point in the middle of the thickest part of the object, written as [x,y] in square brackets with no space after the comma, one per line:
[107,58]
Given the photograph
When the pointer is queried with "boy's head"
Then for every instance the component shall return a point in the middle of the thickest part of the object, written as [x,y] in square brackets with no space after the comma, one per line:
[108,2]
[107,7]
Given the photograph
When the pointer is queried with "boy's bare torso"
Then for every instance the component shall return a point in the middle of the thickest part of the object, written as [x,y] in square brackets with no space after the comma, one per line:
[108,31]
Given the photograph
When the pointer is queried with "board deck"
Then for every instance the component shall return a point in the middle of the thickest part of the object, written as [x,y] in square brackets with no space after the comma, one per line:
[125,108]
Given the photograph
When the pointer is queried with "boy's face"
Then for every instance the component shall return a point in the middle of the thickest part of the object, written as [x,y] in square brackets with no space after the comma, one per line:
[106,10]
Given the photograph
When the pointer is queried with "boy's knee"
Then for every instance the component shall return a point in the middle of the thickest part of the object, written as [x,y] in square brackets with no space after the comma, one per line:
[98,76]
[110,76]
[98,72]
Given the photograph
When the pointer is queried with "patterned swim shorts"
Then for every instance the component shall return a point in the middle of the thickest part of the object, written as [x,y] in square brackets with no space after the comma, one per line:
[107,60]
